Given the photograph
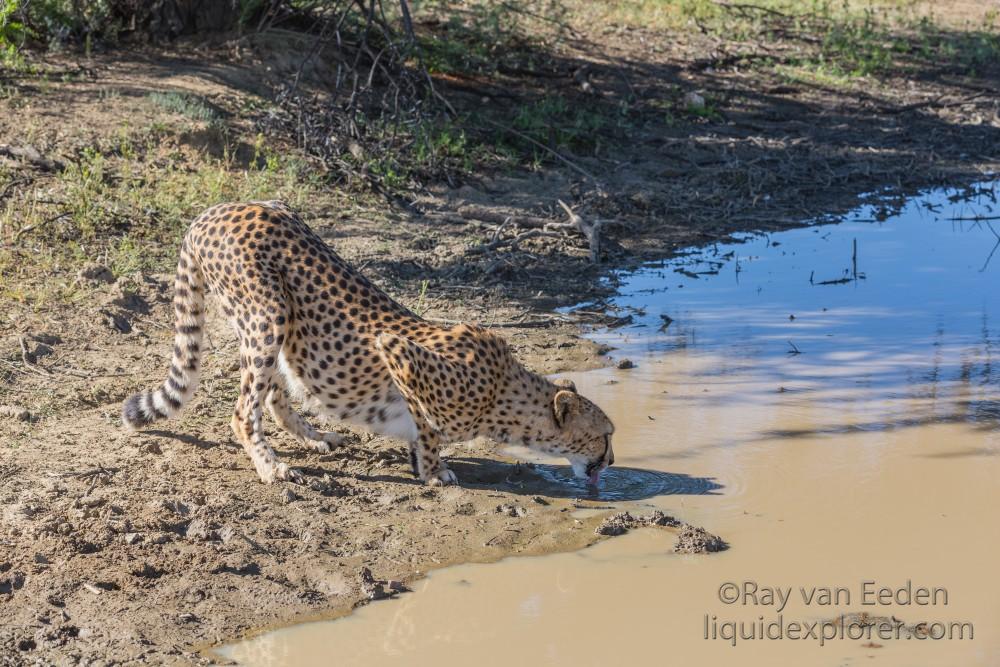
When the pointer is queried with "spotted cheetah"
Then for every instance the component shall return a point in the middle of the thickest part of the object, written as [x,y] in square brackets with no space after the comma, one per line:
[312,326]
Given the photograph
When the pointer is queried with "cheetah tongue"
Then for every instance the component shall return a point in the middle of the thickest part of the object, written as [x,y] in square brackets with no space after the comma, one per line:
[595,477]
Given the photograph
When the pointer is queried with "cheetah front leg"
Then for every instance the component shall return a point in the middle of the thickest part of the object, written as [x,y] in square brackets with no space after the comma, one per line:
[296,425]
[425,457]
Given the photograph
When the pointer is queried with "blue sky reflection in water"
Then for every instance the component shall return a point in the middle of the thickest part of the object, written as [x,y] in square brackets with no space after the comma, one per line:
[919,319]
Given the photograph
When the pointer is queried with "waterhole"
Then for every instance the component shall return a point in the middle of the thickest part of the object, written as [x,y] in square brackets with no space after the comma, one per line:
[826,399]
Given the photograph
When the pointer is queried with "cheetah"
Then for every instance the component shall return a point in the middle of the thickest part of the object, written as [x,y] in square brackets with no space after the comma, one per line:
[312,327]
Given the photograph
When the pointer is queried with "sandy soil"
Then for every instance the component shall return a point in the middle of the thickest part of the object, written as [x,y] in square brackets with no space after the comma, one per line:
[144,549]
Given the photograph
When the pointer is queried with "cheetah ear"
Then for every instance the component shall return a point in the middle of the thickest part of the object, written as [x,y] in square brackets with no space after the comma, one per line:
[564,405]
[565,383]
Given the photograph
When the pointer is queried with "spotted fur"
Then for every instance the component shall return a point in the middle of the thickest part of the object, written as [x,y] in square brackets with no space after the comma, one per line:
[311,325]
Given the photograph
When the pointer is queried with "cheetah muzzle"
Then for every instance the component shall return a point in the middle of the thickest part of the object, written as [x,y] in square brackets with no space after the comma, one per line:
[310,326]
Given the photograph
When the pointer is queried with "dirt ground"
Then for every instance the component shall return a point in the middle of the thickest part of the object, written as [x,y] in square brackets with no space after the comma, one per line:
[146,549]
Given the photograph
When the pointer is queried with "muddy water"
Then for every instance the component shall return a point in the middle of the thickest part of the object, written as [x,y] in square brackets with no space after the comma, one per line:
[834,434]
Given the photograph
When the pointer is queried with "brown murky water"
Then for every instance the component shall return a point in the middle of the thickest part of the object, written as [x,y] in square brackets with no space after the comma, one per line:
[867,460]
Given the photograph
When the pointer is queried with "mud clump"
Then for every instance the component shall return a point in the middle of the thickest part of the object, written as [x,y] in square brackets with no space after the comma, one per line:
[690,539]
[96,274]
[621,523]
[696,540]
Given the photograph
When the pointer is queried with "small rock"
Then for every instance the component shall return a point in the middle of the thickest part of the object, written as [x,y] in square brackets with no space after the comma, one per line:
[287,496]
[465,509]
[176,506]
[625,364]
[116,321]
[515,511]
[396,586]
[693,100]
[539,500]
[132,538]
[373,588]
[153,448]
[201,531]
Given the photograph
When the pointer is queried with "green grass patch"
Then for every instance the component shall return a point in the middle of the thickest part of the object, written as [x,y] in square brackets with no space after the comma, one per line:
[185,104]
[128,209]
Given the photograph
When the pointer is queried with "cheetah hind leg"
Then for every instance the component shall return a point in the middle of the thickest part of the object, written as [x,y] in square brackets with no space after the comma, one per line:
[296,425]
[248,428]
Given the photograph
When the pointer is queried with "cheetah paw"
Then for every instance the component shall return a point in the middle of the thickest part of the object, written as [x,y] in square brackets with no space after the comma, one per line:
[288,474]
[443,477]
[326,442]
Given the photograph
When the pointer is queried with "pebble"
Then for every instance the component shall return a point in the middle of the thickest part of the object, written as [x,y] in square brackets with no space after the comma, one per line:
[515,511]
[625,364]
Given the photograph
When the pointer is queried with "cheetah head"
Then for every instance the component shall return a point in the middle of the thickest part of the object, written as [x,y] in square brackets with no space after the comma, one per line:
[580,431]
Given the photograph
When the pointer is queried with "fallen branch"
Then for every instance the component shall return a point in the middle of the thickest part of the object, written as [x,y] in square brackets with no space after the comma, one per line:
[24,230]
[554,153]
[31,155]
[513,324]
[487,214]
[592,231]
[512,242]
[751,7]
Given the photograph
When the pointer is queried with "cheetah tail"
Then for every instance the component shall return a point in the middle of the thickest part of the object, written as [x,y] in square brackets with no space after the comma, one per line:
[166,401]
